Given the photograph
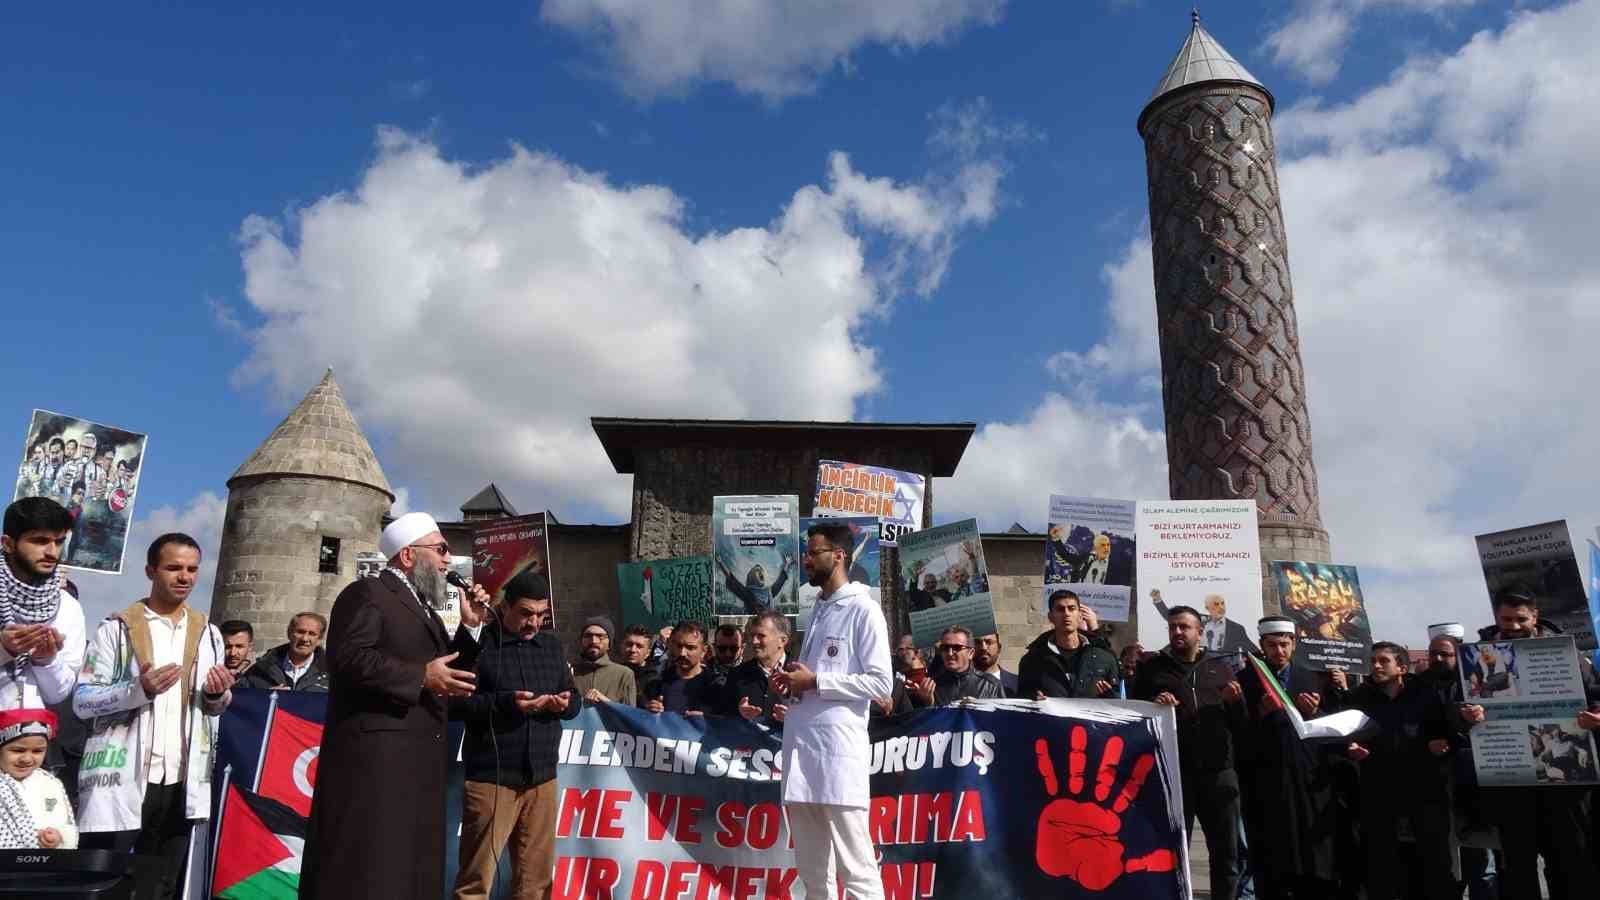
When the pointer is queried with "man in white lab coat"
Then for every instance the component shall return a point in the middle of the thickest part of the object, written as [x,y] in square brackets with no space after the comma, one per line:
[843,665]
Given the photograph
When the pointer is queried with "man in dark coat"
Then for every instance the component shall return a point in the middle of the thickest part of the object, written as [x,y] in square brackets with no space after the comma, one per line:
[956,680]
[296,666]
[1061,662]
[1288,784]
[377,817]
[747,692]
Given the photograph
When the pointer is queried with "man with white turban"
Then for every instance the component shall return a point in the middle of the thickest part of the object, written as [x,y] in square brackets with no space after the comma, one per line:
[377,818]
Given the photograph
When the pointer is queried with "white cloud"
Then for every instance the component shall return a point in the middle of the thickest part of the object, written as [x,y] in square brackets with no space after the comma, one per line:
[1313,39]
[1447,295]
[772,49]
[1130,346]
[477,315]
[200,518]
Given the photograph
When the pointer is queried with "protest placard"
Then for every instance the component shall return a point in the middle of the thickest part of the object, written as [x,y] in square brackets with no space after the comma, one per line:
[1332,630]
[370,564]
[753,552]
[505,548]
[863,560]
[1540,560]
[1531,692]
[658,593]
[854,489]
[1089,550]
[1204,554]
[984,800]
[945,581]
[91,469]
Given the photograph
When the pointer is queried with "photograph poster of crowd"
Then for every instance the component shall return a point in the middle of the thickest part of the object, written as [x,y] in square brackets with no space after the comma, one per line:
[93,471]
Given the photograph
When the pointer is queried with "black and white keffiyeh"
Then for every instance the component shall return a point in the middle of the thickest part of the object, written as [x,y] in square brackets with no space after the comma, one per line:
[17,831]
[27,604]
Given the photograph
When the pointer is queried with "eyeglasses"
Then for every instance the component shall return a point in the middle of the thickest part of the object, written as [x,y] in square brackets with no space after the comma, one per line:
[953,648]
[595,635]
[441,548]
[821,551]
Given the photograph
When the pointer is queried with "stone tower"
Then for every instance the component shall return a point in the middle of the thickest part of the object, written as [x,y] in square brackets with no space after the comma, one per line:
[1231,380]
[301,507]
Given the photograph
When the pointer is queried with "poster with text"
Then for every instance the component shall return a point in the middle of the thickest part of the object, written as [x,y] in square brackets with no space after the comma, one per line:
[1531,692]
[91,469]
[502,549]
[753,554]
[1206,555]
[1089,550]
[853,489]
[1540,559]
[657,593]
[1330,617]
[945,582]
[863,560]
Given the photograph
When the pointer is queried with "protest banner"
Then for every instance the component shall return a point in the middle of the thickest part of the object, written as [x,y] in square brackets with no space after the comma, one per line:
[1531,691]
[370,564]
[1089,550]
[1540,560]
[658,593]
[854,489]
[92,470]
[505,548]
[1332,630]
[863,558]
[753,551]
[945,581]
[1204,554]
[1004,800]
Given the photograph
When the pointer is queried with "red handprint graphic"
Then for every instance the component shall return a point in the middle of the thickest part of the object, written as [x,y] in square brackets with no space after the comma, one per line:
[1079,839]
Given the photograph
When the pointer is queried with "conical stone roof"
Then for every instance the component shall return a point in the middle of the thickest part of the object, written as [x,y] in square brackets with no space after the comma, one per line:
[319,438]
[1201,59]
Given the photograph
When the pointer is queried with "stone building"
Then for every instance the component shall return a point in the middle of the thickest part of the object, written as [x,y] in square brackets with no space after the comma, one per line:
[309,499]
[1232,383]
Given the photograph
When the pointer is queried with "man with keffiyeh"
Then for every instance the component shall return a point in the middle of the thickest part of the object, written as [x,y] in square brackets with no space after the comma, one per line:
[41,625]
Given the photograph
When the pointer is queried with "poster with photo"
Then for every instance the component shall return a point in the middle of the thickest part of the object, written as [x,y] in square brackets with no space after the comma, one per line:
[1332,631]
[945,581]
[1540,560]
[864,560]
[657,593]
[370,564]
[754,566]
[1531,692]
[1089,550]
[853,489]
[92,470]
[1206,555]
[502,549]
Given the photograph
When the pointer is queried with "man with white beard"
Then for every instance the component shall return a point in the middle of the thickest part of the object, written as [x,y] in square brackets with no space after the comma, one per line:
[377,818]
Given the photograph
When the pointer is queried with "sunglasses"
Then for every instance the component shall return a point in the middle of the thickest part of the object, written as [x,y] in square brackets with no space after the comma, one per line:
[953,648]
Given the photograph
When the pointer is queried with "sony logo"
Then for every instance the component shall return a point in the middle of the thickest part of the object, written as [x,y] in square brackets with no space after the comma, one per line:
[32,858]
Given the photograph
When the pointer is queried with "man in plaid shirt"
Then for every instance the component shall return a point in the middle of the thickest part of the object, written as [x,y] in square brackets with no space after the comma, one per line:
[524,689]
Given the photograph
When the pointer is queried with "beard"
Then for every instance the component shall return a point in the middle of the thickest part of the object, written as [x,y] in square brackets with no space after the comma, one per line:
[819,576]
[430,585]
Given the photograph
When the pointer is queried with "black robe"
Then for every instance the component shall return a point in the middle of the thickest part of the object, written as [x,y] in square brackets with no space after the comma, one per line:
[1288,785]
[377,817]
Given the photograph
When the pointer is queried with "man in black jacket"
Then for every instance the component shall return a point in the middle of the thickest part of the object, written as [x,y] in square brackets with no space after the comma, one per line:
[956,680]
[1061,662]
[747,692]
[513,719]
[636,645]
[1210,708]
[297,665]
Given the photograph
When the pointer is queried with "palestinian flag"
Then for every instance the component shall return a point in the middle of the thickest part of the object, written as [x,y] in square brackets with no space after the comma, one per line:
[259,846]
[1271,690]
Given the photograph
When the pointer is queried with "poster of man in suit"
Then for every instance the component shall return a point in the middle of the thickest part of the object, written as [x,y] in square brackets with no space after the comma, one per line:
[1206,555]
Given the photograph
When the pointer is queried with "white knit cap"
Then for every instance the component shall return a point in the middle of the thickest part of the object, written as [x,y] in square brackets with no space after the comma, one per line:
[1447,629]
[404,531]
[1275,625]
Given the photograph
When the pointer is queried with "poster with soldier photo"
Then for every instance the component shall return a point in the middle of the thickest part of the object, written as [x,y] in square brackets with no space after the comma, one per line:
[1540,559]
[1531,692]
[1330,617]
[502,549]
[93,471]
[862,562]
[1090,551]
[945,581]
[753,554]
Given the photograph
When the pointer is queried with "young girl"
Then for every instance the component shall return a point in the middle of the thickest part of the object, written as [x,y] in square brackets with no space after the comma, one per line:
[34,812]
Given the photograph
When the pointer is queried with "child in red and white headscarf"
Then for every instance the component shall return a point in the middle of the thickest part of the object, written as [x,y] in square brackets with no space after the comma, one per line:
[34,810]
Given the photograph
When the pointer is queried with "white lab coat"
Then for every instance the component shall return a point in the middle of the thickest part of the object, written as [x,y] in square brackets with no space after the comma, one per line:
[825,747]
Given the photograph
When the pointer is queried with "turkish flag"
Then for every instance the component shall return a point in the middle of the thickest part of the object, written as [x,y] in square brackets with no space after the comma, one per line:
[289,767]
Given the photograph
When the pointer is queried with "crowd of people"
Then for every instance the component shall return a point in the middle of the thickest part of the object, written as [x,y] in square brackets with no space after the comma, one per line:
[1392,812]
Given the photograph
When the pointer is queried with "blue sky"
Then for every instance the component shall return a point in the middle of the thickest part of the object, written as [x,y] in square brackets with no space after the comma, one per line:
[211,208]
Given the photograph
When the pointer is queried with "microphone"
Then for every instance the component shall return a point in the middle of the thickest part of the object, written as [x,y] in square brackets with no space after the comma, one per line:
[456,581]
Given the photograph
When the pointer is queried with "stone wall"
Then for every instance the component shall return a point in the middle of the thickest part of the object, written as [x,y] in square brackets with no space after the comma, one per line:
[1016,583]
[583,561]
[267,569]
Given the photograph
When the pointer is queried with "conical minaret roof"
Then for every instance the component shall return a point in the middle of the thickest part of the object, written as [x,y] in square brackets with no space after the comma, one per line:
[319,438]
[1201,59]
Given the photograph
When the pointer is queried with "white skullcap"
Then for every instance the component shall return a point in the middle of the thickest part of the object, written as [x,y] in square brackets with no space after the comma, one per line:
[1447,629]
[404,531]
[1274,625]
